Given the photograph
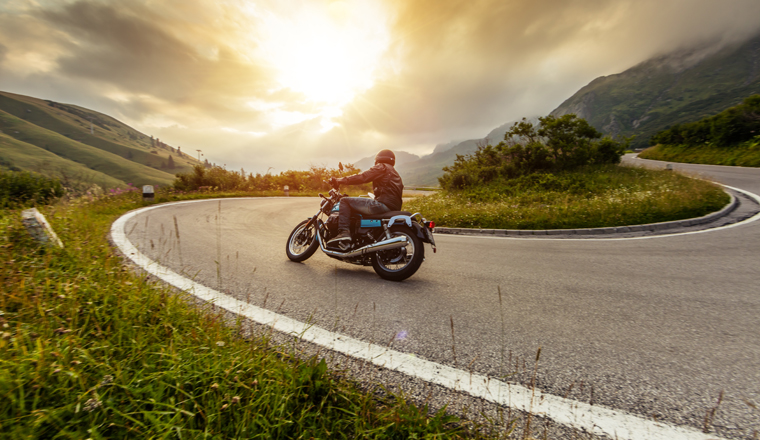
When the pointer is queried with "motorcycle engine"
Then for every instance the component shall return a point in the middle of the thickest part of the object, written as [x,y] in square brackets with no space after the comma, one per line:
[332,224]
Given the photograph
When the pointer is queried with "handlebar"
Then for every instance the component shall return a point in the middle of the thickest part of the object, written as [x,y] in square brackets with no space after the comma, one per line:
[330,183]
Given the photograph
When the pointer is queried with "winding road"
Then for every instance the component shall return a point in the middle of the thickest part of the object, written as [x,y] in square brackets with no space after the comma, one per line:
[663,329]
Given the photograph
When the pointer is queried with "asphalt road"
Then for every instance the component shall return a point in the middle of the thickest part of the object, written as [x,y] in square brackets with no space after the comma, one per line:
[658,327]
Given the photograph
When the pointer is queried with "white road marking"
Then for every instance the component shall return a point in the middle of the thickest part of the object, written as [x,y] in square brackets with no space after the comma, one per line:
[592,418]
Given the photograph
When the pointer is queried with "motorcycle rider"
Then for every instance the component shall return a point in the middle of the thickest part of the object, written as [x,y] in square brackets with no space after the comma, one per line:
[386,185]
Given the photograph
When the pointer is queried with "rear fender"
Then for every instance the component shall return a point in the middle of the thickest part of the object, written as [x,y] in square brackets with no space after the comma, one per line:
[418,228]
[400,218]
[420,231]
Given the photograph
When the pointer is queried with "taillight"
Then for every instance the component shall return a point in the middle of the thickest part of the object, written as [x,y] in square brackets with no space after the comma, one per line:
[431,225]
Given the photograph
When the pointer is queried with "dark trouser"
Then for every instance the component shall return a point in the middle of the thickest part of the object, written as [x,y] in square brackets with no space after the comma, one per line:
[358,205]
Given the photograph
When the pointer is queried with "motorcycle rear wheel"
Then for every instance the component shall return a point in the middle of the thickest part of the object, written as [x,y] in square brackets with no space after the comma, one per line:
[399,264]
[302,242]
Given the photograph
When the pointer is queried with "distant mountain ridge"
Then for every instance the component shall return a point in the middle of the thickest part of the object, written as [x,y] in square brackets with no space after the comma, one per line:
[402,157]
[682,86]
[679,87]
[425,170]
[78,144]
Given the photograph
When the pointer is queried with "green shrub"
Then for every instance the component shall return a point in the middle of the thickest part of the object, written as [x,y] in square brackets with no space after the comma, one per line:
[553,145]
[728,128]
[26,189]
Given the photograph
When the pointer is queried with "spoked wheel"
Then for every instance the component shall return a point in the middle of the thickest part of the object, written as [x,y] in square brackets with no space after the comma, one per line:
[401,263]
[302,242]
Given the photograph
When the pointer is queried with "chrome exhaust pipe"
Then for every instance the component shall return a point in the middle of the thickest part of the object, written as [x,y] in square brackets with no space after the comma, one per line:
[393,243]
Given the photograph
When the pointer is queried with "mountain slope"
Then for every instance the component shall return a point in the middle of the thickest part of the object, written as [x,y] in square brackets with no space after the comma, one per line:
[679,87]
[92,139]
[426,170]
[402,157]
[94,158]
[15,154]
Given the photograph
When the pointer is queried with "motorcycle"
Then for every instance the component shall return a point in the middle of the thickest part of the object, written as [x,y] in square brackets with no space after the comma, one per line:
[392,242]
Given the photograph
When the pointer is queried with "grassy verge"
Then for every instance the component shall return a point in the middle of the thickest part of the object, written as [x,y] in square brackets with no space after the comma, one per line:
[746,154]
[89,349]
[599,196]
[170,195]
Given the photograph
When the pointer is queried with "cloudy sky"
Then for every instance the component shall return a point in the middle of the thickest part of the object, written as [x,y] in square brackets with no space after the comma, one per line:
[290,83]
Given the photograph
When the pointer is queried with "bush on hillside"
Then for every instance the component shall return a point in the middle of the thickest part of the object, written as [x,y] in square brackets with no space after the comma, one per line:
[18,189]
[730,127]
[552,145]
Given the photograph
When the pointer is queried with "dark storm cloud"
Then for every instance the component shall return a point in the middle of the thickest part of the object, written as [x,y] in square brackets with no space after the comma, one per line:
[118,46]
[479,64]
[180,69]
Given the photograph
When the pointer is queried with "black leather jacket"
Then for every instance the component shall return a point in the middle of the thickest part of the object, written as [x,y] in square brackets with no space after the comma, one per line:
[386,184]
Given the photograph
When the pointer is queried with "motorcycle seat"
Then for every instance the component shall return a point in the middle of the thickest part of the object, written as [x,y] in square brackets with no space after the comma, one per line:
[385,215]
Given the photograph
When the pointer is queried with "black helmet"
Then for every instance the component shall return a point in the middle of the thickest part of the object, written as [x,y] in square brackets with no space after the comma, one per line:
[386,156]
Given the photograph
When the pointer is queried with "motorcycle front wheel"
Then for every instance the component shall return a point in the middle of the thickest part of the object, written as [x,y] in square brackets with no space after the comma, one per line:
[401,263]
[302,242]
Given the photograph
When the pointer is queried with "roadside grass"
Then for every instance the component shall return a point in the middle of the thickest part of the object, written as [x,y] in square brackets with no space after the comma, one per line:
[91,349]
[599,196]
[171,195]
[747,154]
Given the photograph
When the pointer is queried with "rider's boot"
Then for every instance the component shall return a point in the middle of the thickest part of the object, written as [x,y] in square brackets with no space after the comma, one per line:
[342,241]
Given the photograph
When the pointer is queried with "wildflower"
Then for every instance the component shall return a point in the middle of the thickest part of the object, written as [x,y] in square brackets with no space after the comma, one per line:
[107,380]
[236,399]
[220,343]
[92,404]
[214,386]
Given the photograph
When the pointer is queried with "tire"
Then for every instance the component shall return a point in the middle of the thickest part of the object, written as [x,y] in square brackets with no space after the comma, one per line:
[302,242]
[399,264]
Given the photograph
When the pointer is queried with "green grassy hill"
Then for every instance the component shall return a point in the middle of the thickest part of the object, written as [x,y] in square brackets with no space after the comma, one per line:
[667,90]
[19,155]
[91,146]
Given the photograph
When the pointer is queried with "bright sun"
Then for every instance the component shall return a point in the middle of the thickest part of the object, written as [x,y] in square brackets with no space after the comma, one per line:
[328,52]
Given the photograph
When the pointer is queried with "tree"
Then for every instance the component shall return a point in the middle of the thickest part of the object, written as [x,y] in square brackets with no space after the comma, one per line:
[554,144]
[171,162]
[569,139]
